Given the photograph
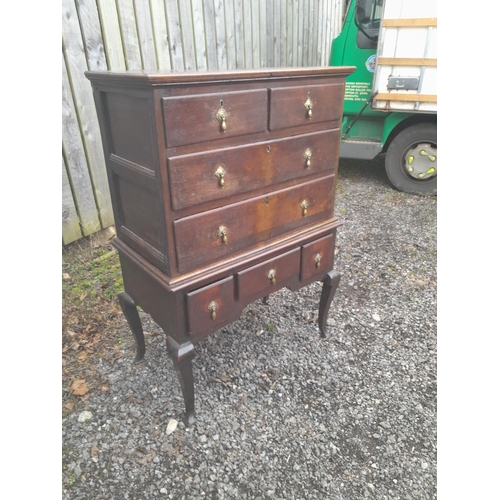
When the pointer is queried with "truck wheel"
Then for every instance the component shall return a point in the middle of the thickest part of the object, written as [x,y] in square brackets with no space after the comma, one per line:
[411,160]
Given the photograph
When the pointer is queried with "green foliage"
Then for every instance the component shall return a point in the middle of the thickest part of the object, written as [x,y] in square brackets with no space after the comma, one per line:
[92,276]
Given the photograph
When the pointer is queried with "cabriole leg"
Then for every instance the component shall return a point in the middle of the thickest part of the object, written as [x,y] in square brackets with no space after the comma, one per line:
[182,356]
[130,311]
[330,284]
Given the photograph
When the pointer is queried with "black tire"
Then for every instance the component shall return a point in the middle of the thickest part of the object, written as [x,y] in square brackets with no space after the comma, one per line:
[422,138]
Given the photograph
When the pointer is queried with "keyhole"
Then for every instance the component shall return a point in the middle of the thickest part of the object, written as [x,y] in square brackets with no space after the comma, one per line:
[221,103]
[267,201]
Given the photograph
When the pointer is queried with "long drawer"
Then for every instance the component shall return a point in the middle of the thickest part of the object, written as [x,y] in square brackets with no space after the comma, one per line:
[201,177]
[215,234]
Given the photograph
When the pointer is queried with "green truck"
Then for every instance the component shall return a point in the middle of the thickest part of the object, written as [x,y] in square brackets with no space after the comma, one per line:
[390,105]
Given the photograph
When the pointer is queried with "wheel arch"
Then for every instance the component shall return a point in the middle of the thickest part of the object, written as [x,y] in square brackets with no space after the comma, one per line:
[396,123]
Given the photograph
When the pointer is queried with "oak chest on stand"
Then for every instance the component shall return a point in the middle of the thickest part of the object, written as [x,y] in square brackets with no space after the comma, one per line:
[223,189]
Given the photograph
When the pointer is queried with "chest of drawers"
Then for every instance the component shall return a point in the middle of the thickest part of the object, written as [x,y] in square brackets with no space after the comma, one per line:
[223,189]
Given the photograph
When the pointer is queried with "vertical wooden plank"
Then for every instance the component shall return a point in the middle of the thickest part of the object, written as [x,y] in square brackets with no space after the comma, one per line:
[174,35]
[289,33]
[110,27]
[145,34]
[238,34]
[300,32]
[200,43]
[86,114]
[314,45]
[160,34]
[270,34]
[220,33]
[321,30]
[255,35]
[263,43]
[276,33]
[77,163]
[70,223]
[306,31]
[282,33]
[325,53]
[295,30]
[247,33]
[130,37]
[230,36]
[187,37]
[339,7]
[210,35]
[330,31]
[313,18]
[92,35]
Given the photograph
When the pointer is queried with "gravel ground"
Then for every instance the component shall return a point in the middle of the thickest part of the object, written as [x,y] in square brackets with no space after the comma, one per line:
[282,413]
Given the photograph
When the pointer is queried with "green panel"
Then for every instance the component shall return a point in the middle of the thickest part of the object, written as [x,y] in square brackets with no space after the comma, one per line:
[391,121]
[365,128]
[345,52]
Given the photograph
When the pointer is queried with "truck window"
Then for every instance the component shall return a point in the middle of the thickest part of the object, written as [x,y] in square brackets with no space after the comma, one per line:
[367,20]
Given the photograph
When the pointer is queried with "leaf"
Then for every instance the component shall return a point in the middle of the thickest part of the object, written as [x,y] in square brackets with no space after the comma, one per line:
[224,378]
[79,387]
[104,388]
[66,276]
[69,406]
[172,425]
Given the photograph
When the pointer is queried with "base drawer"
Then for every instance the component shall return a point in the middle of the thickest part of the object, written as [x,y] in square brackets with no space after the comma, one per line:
[210,306]
[317,257]
[268,276]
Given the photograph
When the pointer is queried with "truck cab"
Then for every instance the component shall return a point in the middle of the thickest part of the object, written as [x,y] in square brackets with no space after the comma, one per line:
[390,103]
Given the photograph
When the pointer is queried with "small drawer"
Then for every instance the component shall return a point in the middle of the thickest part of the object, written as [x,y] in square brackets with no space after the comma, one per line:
[207,117]
[269,276]
[295,106]
[317,257]
[210,306]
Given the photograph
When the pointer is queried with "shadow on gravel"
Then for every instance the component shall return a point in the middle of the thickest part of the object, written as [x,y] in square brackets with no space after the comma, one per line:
[281,413]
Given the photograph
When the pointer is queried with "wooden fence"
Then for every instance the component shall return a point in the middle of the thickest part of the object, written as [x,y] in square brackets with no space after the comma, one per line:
[161,35]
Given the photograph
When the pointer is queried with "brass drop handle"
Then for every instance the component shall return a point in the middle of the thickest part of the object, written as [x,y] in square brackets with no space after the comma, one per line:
[212,307]
[307,157]
[304,206]
[272,276]
[308,105]
[221,116]
[220,173]
[221,233]
[317,259]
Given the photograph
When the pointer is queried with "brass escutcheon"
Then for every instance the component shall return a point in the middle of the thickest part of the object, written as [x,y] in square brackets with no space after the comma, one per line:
[220,173]
[307,157]
[317,259]
[221,116]
[221,233]
[304,206]
[308,105]
[212,307]
[272,276]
